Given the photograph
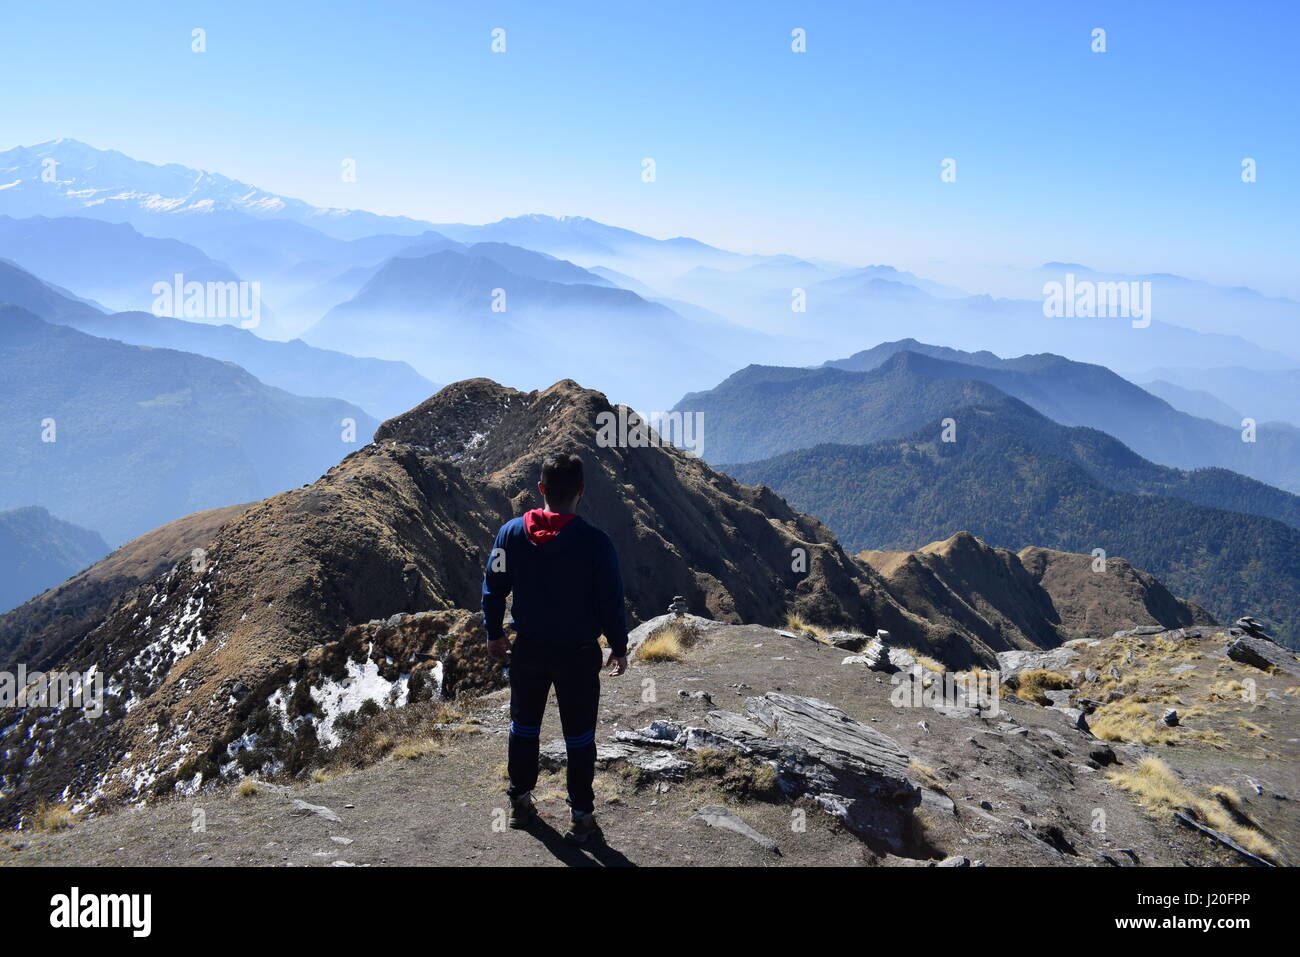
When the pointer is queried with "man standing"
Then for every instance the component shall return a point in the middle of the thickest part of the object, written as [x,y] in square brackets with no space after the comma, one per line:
[567,591]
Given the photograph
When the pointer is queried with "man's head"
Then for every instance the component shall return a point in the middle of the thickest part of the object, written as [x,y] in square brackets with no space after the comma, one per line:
[562,482]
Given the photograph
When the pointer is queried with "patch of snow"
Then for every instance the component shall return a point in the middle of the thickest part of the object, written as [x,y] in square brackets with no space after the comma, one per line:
[360,684]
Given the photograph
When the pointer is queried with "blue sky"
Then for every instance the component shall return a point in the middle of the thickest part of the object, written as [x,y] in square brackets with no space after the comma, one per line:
[1124,160]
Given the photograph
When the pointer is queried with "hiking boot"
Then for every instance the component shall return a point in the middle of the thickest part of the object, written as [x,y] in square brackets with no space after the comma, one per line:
[584,825]
[522,812]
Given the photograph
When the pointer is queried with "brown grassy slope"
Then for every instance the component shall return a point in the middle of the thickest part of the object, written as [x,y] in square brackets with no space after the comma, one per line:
[986,600]
[979,597]
[1094,604]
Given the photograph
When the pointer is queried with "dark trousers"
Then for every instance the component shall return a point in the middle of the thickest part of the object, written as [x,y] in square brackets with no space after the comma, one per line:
[575,673]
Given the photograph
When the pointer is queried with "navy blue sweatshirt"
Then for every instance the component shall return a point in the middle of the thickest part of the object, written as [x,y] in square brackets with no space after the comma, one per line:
[568,590]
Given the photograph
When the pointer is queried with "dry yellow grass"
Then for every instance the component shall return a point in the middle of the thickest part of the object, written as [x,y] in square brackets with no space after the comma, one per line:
[742,777]
[1031,685]
[446,714]
[929,664]
[668,643]
[1229,798]
[1159,791]
[926,776]
[1149,689]
[1231,689]
[411,750]
[1154,784]
[1253,728]
[1129,721]
[53,817]
[662,646]
[246,788]
[795,623]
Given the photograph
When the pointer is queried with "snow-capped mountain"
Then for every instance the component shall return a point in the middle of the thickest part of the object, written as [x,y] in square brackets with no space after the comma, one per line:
[66,177]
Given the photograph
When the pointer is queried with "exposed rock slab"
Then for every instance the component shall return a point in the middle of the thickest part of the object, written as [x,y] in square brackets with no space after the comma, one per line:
[715,815]
[1012,663]
[834,740]
[1263,654]
[302,807]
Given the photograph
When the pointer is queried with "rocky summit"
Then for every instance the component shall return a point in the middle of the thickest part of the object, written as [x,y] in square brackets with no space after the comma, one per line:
[321,648]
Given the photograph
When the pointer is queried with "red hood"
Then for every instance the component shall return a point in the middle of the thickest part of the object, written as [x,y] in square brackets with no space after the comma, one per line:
[542,526]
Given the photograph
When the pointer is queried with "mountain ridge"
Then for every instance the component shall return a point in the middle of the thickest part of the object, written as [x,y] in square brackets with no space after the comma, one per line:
[1006,478]
[210,651]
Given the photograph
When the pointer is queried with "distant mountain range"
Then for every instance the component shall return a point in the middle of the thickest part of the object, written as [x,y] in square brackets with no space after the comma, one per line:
[65,177]
[1269,321]
[1266,395]
[1077,393]
[582,239]
[110,263]
[381,387]
[311,260]
[839,311]
[38,551]
[452,311]
[1015,478]
[121,438]
[843,402]
[1195,402]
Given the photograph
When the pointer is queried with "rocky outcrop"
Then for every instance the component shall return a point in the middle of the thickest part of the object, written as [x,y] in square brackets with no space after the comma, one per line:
[845,767]
[1012,663]
[1253,628]
[1263,654]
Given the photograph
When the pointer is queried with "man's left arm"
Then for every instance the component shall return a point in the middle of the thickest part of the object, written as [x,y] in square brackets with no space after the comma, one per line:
[609,604]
